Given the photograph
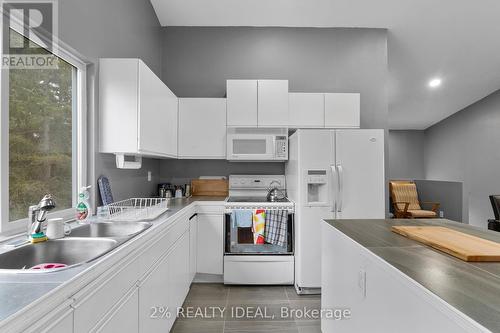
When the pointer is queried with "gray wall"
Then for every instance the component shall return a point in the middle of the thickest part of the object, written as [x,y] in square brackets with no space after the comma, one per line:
[406,151]
[465,147]
[197,61]
[448,194]
[113,28]
[181,171]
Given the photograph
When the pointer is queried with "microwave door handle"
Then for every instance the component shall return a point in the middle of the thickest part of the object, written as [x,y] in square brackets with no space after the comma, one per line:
[334,194]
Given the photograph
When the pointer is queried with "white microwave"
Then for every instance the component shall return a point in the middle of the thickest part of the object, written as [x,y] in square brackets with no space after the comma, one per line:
[257,144]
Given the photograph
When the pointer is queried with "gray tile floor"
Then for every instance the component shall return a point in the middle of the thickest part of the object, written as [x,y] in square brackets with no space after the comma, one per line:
[215,308]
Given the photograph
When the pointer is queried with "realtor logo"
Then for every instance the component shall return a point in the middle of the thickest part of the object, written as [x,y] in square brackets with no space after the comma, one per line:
[28,30]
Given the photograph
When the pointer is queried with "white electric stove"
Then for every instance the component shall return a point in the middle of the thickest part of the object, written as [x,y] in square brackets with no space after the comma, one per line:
[244,261]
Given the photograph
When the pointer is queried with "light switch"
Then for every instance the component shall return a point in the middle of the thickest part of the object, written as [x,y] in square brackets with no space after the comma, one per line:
[149,176]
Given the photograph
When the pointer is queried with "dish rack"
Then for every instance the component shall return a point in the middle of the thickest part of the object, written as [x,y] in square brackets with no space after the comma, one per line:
[136,209]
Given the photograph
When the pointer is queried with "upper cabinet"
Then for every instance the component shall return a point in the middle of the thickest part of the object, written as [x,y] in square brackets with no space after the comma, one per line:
[241,102]
[342,110]
[307,110]
[257,103]
[331,110]
[272,103]
[202,128]
[138,112]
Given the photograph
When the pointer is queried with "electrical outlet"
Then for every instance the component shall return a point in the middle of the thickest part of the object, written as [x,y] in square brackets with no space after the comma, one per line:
[149,176]
[362,282]
[441,214]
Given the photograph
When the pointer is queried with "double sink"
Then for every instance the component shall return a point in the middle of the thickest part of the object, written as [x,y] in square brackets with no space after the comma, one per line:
[84,244]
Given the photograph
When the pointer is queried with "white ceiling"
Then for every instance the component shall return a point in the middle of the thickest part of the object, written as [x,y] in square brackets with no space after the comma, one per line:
[458,40]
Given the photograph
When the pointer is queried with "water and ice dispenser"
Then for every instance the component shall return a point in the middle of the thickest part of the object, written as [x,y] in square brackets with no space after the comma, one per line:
[317,187]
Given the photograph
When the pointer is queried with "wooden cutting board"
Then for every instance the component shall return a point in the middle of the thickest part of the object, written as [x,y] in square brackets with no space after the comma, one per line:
[211,187]
[455,243]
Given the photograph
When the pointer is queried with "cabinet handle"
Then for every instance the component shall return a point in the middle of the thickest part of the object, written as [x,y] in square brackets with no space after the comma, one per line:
[193,216]
[341,187]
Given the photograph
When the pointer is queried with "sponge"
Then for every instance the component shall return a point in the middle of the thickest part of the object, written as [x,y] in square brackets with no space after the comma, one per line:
[38,238]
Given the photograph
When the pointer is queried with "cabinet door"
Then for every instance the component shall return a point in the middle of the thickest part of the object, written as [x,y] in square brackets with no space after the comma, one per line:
[193,241]
[155,314]
[210,244]
[118,102]
[171,105]
[179,281]
[241,102]
[202,128]
[342,110]
[273,103]
[157,115]
[56,322]
[125,318]
[307,110]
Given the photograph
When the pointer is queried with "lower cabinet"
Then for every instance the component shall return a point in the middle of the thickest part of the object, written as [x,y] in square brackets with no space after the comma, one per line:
[144,292]
[210,244]
[62,325]
[60,320]
[154,296]
[179,281]
[124,318]
[163,291]
[193,245]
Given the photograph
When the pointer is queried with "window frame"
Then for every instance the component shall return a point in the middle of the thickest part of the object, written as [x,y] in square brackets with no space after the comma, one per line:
[79,179]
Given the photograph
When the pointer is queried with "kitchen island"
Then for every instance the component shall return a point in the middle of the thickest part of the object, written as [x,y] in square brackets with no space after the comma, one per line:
[390,283]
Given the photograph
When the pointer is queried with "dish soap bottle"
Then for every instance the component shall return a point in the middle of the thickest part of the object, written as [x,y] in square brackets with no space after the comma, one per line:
[83,207]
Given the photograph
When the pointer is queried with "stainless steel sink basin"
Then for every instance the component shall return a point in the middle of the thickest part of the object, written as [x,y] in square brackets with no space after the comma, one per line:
[68,251]
[110,229]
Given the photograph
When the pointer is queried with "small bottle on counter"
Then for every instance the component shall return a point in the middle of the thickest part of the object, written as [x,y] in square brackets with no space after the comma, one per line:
[83,210]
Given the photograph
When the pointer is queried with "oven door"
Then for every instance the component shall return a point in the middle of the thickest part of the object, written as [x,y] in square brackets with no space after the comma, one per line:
[239,241]
[250,147]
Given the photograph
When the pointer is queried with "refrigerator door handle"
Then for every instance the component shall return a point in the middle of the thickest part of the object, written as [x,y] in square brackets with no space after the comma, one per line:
[334,193]
[341,187]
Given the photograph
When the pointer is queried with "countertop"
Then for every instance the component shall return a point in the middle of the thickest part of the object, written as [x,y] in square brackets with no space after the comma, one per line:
[472,288]
[17,291]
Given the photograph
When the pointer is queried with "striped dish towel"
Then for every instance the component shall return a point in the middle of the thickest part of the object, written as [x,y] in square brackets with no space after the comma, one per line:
[276,224]
[259,221]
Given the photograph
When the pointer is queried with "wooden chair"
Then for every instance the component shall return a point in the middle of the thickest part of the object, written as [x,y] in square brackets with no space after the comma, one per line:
[405,201]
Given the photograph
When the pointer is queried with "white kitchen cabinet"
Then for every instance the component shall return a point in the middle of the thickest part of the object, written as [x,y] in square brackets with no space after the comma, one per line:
[241,103]
[124,318]
[307,110]
[164,289]
[60,320]
[154,299]
[202,128]
[257,103]
[99,297]
[193,245]
[272,103]
[178,274]
[210,244]
[62,325]
[342,110]
[138,112]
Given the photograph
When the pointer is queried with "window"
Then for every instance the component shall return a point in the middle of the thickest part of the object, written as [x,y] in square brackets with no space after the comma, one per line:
[46,127]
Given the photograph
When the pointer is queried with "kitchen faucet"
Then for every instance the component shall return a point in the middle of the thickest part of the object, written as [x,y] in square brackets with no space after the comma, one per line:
[38,214]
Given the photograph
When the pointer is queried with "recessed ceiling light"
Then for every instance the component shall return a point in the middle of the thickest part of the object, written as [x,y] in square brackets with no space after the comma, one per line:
[434,83]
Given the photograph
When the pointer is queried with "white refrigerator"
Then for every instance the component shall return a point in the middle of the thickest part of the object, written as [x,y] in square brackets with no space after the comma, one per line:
[331,174]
